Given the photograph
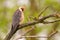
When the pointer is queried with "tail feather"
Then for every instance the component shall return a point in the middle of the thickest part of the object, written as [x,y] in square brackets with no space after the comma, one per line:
[11,33]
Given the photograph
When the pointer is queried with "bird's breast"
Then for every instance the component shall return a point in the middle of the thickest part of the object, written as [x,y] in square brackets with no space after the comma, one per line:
[21,18]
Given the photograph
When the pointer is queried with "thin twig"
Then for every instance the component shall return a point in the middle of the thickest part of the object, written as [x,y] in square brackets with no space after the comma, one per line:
[52,34]
[46,22]
[42,11]
[25,33]
[40,36]
[33,37]
[29,30]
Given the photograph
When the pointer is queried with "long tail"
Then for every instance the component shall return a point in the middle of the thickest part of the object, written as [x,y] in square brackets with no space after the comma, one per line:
[11,33]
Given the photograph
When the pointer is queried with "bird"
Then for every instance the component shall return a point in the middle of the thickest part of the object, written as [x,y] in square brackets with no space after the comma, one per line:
[18,18]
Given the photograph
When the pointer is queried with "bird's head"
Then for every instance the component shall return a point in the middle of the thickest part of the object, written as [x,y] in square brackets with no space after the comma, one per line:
[22,8]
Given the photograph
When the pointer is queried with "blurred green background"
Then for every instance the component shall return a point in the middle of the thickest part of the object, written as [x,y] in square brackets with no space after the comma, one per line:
[33,8]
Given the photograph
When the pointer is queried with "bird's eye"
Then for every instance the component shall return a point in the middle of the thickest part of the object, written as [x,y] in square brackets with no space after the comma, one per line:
[22,9]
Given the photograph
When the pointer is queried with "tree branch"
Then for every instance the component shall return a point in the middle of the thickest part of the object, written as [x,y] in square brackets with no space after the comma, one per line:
[39,36]
[41,20]
[52,34]
[51,22]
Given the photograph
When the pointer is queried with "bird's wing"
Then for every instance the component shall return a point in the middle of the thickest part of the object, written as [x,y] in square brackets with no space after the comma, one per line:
[15,23]
[16,18]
